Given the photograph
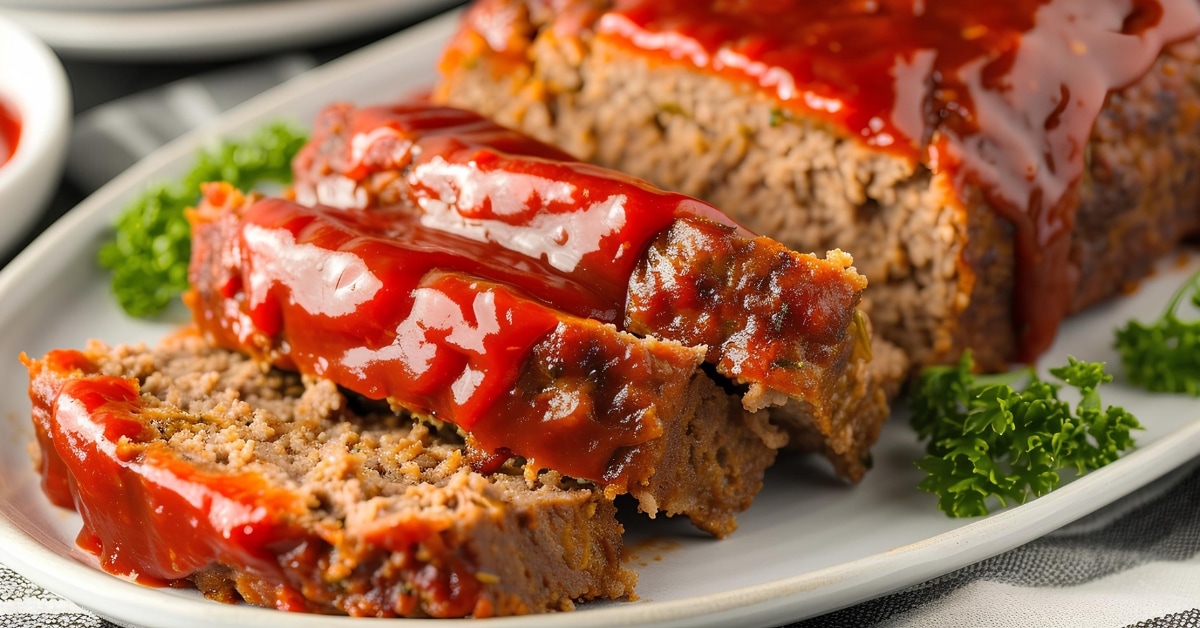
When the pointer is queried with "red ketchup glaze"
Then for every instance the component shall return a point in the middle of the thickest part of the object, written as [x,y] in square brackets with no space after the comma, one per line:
[379,277]
[437,324]
[469,177]
[153,516]
[146,514]
[1000,96]
[461,175]
[10,132]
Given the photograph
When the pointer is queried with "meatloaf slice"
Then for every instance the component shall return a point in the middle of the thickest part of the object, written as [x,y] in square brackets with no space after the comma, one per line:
[390,311]
[926,142]
[191,464]
[785,325]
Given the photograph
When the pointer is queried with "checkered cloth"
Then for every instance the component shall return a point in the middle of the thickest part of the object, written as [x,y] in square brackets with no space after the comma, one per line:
[1134,563]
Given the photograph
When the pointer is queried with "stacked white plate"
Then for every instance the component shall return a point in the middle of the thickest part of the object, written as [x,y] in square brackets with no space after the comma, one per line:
[176,30]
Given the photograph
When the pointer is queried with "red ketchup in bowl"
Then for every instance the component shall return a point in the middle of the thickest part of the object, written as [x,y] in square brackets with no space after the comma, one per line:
[10,132]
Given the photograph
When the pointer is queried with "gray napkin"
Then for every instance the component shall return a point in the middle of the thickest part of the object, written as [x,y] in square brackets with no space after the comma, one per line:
[109,138]
[1135,562]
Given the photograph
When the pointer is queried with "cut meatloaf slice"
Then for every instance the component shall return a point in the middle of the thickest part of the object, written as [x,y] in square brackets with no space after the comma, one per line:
[190,464]
[866,128]
[785,325]
[761,313]
[391,311]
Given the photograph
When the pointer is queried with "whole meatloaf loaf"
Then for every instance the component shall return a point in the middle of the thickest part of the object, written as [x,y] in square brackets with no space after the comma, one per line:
[191,464]
[992,166]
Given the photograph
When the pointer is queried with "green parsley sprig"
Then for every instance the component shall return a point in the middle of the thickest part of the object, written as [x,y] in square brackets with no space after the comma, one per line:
[987,439]
[1164,356]
[151,245]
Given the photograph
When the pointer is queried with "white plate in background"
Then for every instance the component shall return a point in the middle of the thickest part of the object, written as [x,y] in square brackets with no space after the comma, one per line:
[208,30]
[35,92]
[808,544]
[108,5]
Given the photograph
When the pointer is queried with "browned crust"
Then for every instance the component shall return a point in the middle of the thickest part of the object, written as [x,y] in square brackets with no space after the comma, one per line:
[814,361]
[1141,188]
[986,284]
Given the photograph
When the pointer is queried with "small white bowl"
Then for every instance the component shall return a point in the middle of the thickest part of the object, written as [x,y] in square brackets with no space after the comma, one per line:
[34,89]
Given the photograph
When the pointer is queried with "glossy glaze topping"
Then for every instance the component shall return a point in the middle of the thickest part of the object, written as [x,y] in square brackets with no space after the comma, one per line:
[999,96]
[503,194]
[766,314]
[10,132]
[439,325]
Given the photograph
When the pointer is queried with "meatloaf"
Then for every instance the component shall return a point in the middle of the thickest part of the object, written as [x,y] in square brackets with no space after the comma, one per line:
[404,315]
[993,167]
[191,465]
[782,324]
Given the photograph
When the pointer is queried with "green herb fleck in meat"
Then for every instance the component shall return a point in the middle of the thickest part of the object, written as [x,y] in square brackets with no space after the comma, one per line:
[777,117]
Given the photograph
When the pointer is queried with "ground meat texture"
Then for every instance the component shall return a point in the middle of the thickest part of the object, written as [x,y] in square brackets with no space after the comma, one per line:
[192,465]
[942,261]
[393,318]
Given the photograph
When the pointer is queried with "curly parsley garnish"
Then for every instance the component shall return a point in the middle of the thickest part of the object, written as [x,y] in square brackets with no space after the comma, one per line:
[988,439]
[151,246]
[1164,356]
